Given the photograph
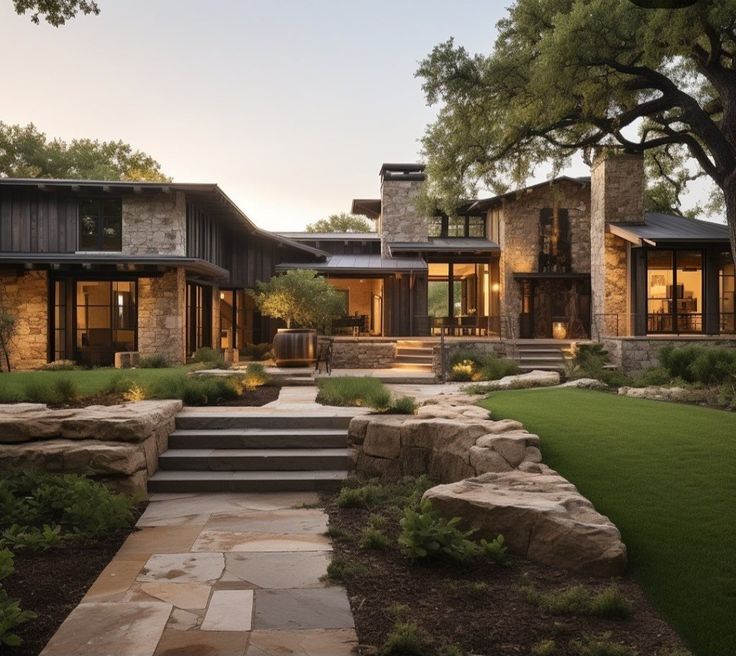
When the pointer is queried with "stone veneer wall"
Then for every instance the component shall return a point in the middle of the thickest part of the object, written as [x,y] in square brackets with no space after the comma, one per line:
[155,225]
[617,195]
[26,297]
[520,236]
[161,316]
[118,445]
[363,353]
[633,355]
[451,348]
[400,219]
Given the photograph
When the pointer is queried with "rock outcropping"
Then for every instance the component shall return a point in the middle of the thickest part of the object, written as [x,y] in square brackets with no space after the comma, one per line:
[494,480]
[117,444]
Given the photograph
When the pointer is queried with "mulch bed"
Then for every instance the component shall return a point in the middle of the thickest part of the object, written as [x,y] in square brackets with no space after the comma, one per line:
[496,620]
[53,582]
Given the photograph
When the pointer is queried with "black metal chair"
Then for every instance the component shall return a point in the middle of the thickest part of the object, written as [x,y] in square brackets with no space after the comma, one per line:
[324,355]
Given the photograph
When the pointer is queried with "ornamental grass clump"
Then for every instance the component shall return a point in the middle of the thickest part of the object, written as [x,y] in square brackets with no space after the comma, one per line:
[473,365]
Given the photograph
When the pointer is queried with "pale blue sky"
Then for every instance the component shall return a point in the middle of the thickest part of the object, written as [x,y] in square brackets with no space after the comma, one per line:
[290,105]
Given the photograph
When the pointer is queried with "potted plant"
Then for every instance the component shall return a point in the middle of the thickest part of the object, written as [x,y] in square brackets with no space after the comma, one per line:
[306,302]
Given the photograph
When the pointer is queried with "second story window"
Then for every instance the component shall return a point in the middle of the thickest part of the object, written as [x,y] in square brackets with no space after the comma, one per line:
[101,224]
[458,226]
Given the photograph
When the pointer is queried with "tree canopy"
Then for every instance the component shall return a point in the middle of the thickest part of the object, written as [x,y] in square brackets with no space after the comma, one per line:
[27,153]
[342,222]
[567,75]
[55,12]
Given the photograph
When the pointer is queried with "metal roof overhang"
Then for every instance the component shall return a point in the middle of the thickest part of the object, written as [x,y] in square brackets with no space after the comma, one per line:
[448,246]
[360,264]
[124,263]
[663,229]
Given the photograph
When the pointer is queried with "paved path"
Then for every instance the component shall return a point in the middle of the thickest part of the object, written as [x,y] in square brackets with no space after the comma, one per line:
[215,575]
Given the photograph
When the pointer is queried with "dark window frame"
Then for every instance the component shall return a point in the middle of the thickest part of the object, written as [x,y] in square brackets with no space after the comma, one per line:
[101,216]
[466,220]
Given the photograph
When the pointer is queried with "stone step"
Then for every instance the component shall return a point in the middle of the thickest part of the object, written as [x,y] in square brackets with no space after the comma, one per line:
[215,420]
[534,357]
[414,350]
[245,481]
[254,459]
[414,366]
[259,438]
[417,359]
[541,367]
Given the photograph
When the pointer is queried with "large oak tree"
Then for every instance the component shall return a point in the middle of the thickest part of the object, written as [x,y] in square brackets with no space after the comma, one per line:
[55,12]
[568,75]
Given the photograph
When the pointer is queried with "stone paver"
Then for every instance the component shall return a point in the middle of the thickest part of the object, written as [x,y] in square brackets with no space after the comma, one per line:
[216,574]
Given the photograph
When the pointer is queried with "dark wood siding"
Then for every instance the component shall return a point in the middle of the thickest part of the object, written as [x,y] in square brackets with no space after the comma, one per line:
[37,222]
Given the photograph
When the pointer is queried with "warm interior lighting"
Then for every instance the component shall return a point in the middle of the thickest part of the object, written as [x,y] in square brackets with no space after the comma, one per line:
[495,287]
[222,296]
[559,329]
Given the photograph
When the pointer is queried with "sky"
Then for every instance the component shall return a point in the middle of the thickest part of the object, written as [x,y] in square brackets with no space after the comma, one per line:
[291,106]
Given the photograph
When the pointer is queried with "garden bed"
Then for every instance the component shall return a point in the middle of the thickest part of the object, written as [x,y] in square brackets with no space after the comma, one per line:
[53,582]
[477,606]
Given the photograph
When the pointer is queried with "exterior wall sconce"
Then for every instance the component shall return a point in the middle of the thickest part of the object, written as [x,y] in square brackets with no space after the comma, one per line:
[495,287]
[559,329]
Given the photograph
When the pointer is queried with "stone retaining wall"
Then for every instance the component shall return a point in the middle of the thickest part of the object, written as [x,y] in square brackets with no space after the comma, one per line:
[633,355]
[118,445]
[363,354]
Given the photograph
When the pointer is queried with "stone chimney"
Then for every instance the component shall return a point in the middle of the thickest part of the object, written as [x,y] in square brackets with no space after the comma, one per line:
[400,221]
[616,196]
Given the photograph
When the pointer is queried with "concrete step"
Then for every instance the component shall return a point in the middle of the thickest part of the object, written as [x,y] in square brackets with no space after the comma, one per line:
[541,367]
[414,350]
[254,459]
[533,357]
[245,481]
[215,420]
[416,359]
[413,366]
[259,438]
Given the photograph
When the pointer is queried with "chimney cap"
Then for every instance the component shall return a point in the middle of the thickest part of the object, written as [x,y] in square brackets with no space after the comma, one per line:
[408,172]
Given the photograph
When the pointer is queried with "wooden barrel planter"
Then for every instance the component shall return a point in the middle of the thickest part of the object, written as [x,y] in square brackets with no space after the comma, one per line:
[295,347]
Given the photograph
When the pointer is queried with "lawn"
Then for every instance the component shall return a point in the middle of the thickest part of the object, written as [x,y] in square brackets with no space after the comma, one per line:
[89,381]
[666,475]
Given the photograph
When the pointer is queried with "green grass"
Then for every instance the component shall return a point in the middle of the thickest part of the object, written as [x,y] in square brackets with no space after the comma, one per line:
[666,475]
[88,381]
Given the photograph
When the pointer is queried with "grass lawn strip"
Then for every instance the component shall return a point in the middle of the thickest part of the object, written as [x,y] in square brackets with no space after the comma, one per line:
[664,473]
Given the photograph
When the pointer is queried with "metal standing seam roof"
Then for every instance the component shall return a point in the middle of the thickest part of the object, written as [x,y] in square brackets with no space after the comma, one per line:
[360,263]
[330,236]
[667,228]
[452,245]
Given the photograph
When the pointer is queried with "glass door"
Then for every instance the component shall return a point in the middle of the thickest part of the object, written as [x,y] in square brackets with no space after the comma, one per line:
[674,291]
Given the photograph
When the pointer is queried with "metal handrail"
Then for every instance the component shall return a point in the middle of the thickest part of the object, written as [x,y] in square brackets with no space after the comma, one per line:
[609,324]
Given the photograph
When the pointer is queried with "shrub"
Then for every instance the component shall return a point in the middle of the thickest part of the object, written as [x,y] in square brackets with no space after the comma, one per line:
[348,390]
[60,365]
[471,364]
[11,614]
[654,376]
[700,364]
[405,639]
[677,361]
[8,394]
[154,362]
[31,538]
[340,570]
[209,357]
[426,534]
[579,600]
[600,646]
[66,389]
[379,399]
[462,371]
[357,497]
[136,392]
[257,351]
[495,549]
[403,405]
[255,376]
[373,538]
[40,391]
[196,390]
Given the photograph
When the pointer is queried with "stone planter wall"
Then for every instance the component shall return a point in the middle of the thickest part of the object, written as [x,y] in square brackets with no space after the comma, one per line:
[118,445]
[633,355]
[496,347]
[363,353]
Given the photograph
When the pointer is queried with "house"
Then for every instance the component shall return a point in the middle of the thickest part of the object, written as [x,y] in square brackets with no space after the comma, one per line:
[92,268]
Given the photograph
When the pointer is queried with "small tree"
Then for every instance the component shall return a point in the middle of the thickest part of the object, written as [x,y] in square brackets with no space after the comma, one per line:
[341,223]
[7,329]
[301,298]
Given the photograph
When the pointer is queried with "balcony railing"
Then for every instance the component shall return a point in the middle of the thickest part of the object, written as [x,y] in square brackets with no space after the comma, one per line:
[620,324]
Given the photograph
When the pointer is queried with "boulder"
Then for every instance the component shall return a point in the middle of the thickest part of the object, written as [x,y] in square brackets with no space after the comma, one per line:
[657,393]
[586,383]
[542,517]
[536,378]
[383,437]
[460,398]
[485,460]
[358,427]
[504,425]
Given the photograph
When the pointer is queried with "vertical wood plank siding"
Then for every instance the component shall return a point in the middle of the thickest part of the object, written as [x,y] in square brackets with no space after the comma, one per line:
[37,222]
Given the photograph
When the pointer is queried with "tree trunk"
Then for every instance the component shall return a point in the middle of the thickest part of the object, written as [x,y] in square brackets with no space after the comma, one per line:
[729,193]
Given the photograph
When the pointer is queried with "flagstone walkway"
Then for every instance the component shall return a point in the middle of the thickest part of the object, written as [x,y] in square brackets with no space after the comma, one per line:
[216,575]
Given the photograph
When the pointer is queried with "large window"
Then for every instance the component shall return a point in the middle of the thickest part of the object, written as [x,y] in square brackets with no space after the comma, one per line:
[106,320]
[457,226]
[100,224]
[199,317]
[674,291]
[554,241]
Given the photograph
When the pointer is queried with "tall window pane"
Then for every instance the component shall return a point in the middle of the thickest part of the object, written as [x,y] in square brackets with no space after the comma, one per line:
[689,291]
[727,293]
[660,291]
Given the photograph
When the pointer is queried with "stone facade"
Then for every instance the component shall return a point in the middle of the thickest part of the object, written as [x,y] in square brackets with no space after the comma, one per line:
[519,236]
[161,316]
[362,353]
[155,225]
[617,195]
[633,355]
[400,220]
[25,296]
[118,445]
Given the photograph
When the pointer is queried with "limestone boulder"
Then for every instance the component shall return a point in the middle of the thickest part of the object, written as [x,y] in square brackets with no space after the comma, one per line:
[535,378]
[657,393]
[358,427]
[78,456]
[542,517]
[448,436]
[487,460]
[586,383]
[459,398]
[504,425]
[383,437]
